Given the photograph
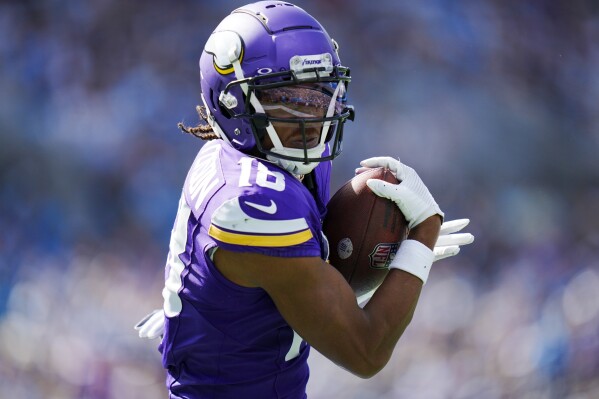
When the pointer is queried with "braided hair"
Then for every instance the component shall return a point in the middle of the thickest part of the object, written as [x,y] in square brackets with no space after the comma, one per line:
[203,130]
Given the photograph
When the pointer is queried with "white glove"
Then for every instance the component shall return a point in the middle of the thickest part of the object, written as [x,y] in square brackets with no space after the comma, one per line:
[411,195]
[448,244]
[152,325]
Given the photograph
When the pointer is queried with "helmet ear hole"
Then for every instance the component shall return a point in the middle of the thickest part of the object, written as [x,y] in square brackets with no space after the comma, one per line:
[224,111]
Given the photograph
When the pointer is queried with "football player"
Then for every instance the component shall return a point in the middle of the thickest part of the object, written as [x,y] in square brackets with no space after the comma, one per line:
[247,286]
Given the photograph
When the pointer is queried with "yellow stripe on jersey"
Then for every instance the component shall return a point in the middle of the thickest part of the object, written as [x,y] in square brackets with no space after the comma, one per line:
[260,241]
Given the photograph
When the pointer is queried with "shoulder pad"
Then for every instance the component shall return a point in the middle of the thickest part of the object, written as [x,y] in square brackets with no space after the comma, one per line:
[258,220]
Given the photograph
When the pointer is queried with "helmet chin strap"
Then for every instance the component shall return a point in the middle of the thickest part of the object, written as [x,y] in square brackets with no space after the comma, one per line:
[297,167]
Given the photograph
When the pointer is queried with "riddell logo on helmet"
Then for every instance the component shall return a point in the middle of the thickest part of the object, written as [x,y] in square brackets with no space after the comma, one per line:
[382,255]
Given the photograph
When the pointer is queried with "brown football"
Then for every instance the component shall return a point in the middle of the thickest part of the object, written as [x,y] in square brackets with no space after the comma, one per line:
[364,231]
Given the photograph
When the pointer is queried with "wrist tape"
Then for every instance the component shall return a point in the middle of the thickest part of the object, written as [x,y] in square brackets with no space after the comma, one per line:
[415,258]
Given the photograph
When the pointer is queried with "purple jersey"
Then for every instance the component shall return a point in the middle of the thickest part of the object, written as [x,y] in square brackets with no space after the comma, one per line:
[223,340]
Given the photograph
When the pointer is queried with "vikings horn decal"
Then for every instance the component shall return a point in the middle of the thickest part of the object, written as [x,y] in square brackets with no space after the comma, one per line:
[225,46]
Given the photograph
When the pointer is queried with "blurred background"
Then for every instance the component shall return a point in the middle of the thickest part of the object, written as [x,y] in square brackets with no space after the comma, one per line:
[495,103]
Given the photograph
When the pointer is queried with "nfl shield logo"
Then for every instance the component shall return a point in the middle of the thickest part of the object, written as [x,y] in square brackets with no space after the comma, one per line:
[382,255]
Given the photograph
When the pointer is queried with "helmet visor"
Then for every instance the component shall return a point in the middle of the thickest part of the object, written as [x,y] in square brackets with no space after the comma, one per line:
[303,101]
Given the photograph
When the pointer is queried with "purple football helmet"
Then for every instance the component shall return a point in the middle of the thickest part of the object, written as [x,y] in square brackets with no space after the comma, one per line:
[270,67]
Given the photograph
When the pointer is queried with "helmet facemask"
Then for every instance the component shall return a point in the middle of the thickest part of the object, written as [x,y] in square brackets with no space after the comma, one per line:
[294,114]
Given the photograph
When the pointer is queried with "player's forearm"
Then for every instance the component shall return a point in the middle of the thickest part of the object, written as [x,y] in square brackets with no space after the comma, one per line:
[389,313]
[359,340]
[362,340]
[392,307]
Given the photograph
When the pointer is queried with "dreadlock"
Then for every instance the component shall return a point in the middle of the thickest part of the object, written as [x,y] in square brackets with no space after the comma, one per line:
[202,131]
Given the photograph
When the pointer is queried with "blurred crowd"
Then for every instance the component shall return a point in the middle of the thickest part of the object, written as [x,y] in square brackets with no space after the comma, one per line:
[495,103]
